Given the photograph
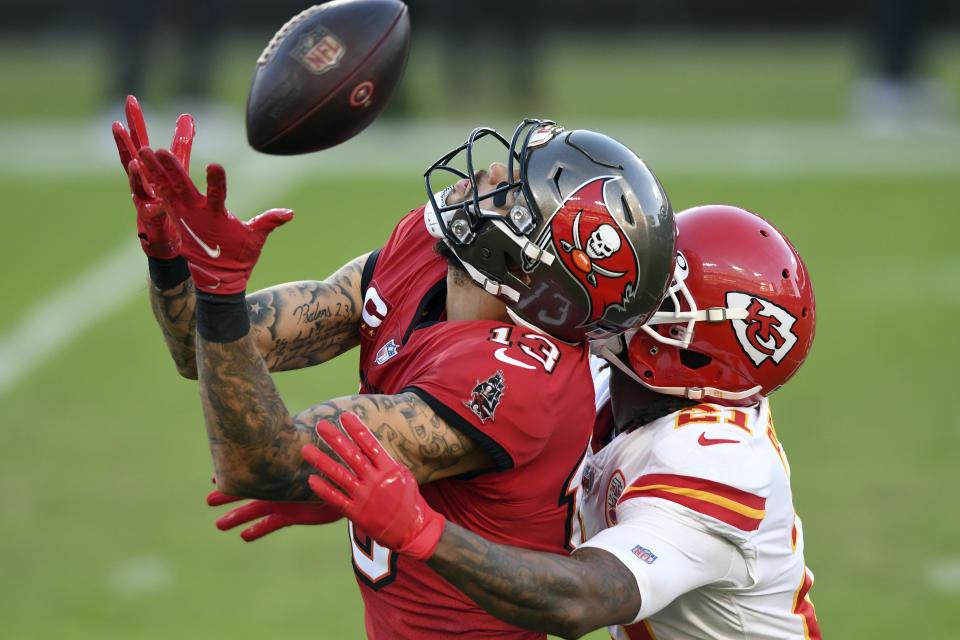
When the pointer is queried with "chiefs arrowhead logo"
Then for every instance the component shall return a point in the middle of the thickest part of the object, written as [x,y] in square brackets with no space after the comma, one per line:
[594,248]
[767,332]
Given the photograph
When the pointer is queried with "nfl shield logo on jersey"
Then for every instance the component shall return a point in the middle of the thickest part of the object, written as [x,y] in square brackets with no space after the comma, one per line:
[485,397]
[644,554]
[387,351]
[766,333]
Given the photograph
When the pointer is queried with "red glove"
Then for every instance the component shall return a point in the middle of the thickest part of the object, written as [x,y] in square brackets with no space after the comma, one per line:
[276,515]
[221,249]
[158,235]
[380,496]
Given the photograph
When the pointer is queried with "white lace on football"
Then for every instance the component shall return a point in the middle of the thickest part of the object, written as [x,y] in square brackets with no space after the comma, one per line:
[284,30]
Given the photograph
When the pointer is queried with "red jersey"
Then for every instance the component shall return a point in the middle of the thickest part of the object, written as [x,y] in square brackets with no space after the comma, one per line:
[524,397]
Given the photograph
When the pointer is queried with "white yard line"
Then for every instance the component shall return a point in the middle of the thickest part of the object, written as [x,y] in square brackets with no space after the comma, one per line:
[113,281]
[403,147]
[407,148]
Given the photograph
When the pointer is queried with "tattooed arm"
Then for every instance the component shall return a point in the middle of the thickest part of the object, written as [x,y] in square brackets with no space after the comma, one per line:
[295,325]
[255,442]
[174,310]
[566,596]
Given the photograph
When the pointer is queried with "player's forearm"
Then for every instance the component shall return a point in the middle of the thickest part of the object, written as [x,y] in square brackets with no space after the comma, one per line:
[301,324]
[294,325]
[560,595]
[174,311]
[254,442]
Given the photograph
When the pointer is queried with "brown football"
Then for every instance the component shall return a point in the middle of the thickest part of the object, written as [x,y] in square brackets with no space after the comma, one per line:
[326,74]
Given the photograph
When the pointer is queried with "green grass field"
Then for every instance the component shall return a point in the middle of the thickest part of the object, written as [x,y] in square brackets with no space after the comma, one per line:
[104,532]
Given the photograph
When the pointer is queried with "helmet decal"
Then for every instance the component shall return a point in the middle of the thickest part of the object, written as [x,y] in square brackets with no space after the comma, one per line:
[543,134]
[766,333]
[594,249]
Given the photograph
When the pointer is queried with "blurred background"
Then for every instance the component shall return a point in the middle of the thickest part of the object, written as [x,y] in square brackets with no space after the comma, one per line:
[836,121]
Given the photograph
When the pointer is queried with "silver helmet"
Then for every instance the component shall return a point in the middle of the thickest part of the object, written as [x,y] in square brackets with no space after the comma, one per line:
[585,251]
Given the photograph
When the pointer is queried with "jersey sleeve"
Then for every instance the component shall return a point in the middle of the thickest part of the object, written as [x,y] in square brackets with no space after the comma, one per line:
[504,400]
[670,554]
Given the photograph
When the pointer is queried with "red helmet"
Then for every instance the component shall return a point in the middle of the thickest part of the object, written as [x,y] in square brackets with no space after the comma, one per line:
[739,317]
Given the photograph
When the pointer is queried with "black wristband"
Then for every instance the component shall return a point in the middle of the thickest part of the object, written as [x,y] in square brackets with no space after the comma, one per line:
[166,274]
[222,317]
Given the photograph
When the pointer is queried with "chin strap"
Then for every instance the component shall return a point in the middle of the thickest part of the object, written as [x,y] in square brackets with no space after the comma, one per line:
[491,286]
[613,351]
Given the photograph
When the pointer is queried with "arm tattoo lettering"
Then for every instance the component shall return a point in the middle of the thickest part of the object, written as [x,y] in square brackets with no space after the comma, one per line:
[409,430]
[302,324]
[561,595]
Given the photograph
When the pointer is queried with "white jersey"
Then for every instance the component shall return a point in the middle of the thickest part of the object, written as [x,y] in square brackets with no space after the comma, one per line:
[697,505]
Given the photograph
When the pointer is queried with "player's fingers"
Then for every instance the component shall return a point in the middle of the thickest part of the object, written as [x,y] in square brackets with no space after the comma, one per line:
[216,187]
[269,220]
[330,468]
[124,144]
[139,186]
[267,525]
[178,179]
[216,498]
[183,140]
[138,128]
[361,435]
[343,447]
[154,172]
[251,510]
[329,494]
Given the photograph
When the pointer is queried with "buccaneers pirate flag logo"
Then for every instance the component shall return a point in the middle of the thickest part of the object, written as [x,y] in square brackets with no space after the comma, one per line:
[594,248]
[485,397]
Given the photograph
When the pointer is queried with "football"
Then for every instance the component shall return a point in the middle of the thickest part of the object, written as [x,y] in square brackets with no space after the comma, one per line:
[326,75]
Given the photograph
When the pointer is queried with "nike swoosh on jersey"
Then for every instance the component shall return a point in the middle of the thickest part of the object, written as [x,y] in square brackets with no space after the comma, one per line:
[501,355]
[703,440]
[213,253]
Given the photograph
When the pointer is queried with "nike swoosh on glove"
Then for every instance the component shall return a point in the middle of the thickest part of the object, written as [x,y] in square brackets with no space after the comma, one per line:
[221,249]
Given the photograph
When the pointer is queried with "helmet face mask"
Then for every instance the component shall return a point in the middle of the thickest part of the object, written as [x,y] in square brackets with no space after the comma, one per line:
[739,318]
[585,249]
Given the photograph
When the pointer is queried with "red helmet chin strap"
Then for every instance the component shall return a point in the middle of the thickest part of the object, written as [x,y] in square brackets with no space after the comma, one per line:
[610,353]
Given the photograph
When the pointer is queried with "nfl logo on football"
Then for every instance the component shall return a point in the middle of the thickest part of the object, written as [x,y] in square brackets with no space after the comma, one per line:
[319,50]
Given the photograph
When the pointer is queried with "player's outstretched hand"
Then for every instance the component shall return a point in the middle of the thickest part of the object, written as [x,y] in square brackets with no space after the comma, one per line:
[276,515]
[158,236]
[221,249]
[376,492]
